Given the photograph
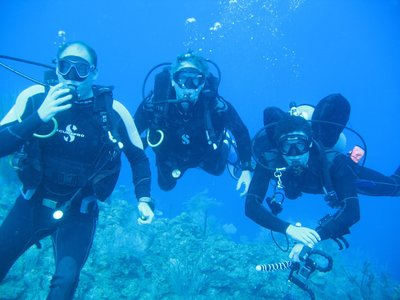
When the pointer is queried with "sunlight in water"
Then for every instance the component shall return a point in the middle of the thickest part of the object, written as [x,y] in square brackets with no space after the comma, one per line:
[254,24]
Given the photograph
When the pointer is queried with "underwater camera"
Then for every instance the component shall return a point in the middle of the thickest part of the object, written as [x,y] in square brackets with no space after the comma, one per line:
[301,271]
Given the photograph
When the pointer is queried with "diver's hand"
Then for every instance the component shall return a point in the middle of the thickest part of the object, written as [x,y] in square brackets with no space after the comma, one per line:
[145,212]
[55,101]
[244,179]
[304,235]
[296,250]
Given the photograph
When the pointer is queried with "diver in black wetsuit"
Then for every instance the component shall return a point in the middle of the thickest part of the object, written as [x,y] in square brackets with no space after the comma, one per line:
[68,142]
[303,157]
[292,147]
[186,125]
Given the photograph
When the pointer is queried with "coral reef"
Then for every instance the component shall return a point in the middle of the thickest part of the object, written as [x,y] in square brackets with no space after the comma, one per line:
[185,257]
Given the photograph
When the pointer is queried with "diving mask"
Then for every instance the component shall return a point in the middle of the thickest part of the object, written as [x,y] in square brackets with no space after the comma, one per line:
[189,78]
[74,68]
[294,144]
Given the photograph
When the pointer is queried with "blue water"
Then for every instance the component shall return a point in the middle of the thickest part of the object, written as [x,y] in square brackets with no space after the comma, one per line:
[269,52]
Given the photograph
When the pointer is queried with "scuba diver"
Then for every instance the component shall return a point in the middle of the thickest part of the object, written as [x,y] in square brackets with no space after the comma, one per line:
[295,160]
[190,125]
[303,152]
[67,139]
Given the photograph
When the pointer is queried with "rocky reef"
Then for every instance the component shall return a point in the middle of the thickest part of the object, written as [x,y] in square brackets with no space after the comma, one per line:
[189,256]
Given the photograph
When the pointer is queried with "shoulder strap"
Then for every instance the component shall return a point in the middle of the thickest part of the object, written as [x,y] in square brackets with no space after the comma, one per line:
[326,160]
[103,102]
[213,104]
[155,104]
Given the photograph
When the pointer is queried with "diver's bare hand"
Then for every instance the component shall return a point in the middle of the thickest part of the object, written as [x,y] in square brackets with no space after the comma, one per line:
[304,235]
[55,102]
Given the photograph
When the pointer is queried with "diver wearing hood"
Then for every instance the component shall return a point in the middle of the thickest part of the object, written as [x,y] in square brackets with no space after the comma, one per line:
[303,152]
[187,123]
[295,162]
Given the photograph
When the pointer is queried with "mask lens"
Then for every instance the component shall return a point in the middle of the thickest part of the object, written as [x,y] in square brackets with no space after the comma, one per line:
[294,145]
[83,69]
[188,79]
[64,66]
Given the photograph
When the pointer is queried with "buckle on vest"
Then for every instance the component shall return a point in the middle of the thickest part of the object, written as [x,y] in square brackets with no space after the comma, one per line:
[49,203]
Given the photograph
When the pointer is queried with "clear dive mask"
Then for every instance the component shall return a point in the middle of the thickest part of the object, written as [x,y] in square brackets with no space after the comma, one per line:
[294,144]
[189,78]
[74,68]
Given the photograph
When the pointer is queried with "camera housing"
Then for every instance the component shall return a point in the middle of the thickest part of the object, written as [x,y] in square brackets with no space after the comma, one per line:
[301,271]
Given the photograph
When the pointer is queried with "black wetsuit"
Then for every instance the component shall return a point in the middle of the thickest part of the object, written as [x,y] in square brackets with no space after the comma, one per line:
[69,158]
[188,139]
[311,181]
[374,183]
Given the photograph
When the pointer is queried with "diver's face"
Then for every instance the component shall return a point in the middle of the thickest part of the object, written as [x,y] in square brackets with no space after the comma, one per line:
[295,148]
[188,83]
[190,95]
[299,161]
[75,68]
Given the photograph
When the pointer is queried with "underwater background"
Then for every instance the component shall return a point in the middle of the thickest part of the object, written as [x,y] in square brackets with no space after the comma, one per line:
[201,246]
